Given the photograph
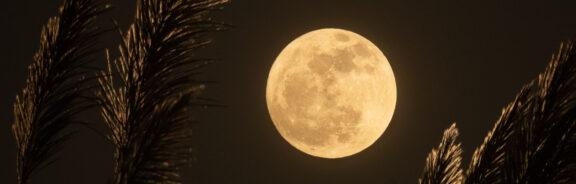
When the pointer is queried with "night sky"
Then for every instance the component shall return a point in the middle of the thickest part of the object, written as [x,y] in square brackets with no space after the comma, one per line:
[455,61]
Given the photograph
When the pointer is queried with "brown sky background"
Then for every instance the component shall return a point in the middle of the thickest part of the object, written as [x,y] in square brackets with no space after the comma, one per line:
[456,61]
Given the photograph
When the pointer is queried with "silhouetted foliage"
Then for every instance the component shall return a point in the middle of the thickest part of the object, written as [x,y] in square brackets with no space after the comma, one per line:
[148,93]
[443,163]
[55,87]
[534,139]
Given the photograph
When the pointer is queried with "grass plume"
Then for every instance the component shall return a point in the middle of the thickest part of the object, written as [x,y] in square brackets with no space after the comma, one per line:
[148,93]
[443,163]
[55,86]
[534,141]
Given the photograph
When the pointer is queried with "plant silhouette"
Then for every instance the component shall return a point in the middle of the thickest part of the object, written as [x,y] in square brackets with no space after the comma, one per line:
[148,104]
[56,86]
[534,141]
[443,164]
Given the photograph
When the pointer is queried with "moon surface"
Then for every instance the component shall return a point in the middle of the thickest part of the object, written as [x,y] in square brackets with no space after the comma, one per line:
[331,93]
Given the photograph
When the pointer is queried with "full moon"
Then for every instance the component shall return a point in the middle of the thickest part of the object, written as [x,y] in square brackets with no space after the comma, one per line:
[331,93]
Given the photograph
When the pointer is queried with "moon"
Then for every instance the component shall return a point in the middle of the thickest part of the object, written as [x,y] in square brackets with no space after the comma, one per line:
[331,93]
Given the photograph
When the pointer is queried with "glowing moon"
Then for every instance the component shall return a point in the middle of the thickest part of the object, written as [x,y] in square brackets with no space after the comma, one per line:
[331,93]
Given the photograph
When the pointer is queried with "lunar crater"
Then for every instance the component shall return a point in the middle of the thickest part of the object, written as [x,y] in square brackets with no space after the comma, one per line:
[342,37]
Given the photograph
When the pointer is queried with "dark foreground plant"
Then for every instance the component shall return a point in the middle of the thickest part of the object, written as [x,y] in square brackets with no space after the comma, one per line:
[55,86]
[443,163]
[148,94]
[534,141]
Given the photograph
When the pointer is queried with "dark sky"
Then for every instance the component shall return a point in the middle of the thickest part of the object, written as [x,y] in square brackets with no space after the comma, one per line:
[455,61]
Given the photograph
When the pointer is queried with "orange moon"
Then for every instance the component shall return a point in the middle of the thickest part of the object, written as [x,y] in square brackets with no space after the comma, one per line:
[331,93]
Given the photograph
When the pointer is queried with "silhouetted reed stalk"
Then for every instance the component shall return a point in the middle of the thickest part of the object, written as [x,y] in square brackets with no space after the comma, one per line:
[55,87]
[443,163]
[147,94]
[534,141]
